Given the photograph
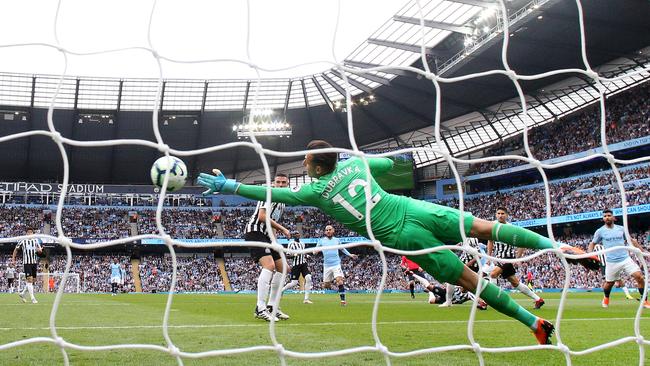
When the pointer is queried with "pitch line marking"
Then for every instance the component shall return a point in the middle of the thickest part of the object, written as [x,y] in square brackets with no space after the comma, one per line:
[198,326]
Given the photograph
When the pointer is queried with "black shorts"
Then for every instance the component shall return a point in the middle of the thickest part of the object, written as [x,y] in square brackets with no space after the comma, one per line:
[507,269]
[10,281]
[259,252]
[409,274]
[301,269]
[30,270]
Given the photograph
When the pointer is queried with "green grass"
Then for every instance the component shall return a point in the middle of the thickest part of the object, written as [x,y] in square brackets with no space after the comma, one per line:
[210,322]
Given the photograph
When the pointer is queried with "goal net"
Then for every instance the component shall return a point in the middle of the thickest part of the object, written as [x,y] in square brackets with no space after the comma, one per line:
[71,281]
[51,282]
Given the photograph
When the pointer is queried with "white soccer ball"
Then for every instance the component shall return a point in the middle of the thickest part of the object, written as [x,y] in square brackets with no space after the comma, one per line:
[177,169]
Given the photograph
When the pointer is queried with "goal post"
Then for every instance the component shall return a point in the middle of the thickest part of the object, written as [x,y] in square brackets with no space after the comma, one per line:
[42,283]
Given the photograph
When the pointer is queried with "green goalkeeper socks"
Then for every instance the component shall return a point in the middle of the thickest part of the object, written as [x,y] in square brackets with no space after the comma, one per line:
[520,237]
[502,302]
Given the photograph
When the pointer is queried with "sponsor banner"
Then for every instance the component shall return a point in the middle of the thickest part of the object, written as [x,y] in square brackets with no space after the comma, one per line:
[283,241]
[43,188]
[592,215]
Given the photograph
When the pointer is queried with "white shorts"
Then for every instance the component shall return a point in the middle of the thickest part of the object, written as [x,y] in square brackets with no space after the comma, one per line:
[330,273]
[116,280]
[614,271]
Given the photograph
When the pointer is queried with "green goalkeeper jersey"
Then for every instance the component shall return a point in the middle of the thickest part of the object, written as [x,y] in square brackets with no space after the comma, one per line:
[341,195]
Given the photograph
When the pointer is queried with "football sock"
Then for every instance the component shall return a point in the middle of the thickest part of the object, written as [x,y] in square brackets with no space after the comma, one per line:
[422,280]
[520,237]
[500,300]
[607,292]
[30,288]
[274,297]
[263,287]
[626,290]
[289,285]
[641,289]
[526,291]
[450,293]
[342,292]
[412,288]
[308,286]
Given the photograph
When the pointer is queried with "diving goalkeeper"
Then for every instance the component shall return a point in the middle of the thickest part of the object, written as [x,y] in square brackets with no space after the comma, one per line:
[400,222]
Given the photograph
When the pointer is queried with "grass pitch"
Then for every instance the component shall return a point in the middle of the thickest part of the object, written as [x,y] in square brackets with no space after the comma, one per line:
[210,322]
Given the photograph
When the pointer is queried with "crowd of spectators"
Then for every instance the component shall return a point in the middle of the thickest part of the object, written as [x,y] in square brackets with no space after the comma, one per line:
[592,193]
[200,272]
[193,273]
[628,117]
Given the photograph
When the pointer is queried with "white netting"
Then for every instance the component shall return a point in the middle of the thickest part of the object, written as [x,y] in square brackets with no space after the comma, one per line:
[41,284]
[379,347]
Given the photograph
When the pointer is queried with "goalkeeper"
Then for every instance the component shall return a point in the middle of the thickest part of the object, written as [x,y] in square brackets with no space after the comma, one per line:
[399,222]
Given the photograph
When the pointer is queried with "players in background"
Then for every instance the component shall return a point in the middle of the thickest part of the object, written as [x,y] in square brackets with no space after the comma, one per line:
[31,249]
[470,261]
[340,190]
[332,262]
[123,279]
[10,275]
[116,276]
[410,268]
[619,283]
[507,270]
[617,262]
[269,281]
[299,266]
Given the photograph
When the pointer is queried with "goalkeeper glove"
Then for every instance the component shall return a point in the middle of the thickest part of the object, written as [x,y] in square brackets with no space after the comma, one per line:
[217,183]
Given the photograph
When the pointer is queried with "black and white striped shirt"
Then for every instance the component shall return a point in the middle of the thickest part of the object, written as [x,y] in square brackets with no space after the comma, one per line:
[298,259]
[601,256]
[464,256]
[503,250]
[255,224]
[30,247]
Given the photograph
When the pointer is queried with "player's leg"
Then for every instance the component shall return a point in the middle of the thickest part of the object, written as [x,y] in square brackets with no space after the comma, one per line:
[633,268]
[276,284]
[264,286]
[514,281]
[445,266]
[612,274]
[621,284]
[501,301]
[449,290]
[340,283]
[524,238]
[495,273]
[31,272]
[308,284]
[293,279]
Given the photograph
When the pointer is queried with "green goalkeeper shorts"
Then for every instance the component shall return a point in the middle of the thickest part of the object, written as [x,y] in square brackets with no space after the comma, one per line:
[428,225]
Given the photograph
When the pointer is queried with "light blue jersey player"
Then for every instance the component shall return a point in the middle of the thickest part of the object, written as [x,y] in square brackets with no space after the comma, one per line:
[332,262]
[116,276]
[619,261]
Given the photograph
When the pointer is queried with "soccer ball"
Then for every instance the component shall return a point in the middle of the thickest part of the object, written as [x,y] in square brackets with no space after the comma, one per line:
[178,173]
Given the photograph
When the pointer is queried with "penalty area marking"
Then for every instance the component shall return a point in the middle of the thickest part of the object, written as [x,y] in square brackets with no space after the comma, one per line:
[287,324]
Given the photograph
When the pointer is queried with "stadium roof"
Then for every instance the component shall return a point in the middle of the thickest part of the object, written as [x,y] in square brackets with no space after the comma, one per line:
[544,37]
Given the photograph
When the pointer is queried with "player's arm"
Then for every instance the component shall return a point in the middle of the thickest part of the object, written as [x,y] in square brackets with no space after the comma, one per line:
[520,252]
[13,256]
[591,247]
[379,166]
[490,247]
[353,256]
[274,224]
[636,244]
[291,196]
[596,240]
